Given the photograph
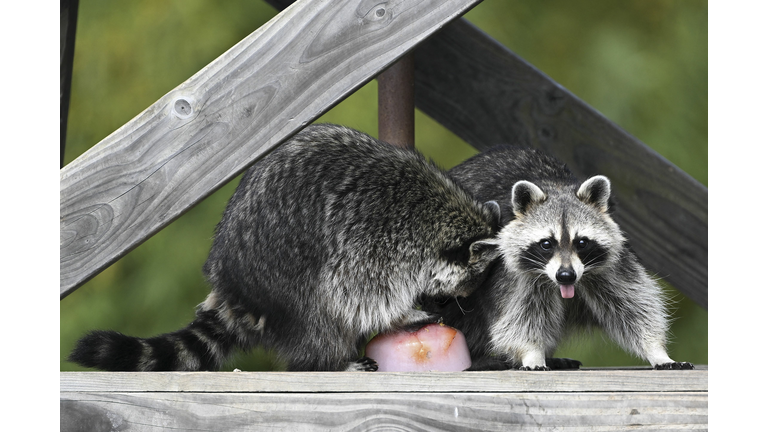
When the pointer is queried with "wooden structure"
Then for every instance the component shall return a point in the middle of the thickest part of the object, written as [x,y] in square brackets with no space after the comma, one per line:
[276,81]
[609,400]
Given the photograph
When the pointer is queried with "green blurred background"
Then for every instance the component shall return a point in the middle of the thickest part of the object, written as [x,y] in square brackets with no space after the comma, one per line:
[641,63]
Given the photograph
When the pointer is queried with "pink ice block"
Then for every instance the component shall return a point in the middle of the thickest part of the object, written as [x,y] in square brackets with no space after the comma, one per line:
[434,347]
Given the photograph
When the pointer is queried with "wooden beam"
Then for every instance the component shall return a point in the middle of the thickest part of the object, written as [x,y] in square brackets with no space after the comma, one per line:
[638,379]
[459,411]
[580,400]
[231,113]
[67,28]
[487,95]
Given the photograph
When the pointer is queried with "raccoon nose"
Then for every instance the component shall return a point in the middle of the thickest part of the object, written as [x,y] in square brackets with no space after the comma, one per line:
[566,276]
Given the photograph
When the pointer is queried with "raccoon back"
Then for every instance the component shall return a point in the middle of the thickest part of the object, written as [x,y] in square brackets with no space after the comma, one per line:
[343,215]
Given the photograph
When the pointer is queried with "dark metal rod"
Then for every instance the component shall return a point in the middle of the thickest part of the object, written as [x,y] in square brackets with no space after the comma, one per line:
[396,103]
[68,23]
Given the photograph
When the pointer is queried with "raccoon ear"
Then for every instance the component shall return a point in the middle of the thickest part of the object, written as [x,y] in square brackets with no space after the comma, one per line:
[493,206]
[484,250]
[524,194]
[596,191]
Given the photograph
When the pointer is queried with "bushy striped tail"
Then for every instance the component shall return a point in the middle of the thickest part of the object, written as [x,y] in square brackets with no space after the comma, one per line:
[203,345]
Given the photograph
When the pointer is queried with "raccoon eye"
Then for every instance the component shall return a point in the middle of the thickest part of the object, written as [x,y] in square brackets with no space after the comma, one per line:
[581,244]
[545,244]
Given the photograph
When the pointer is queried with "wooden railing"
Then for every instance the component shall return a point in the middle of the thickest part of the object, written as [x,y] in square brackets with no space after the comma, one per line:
[279,79]
[213,126]
[282,77]
[487,95]
[602,399]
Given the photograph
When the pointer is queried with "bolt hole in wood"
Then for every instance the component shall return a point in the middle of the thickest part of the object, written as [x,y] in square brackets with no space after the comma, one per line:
[182,108]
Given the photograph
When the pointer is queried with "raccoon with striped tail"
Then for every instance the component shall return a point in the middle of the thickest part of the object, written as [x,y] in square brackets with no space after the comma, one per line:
[331,237]
[565,265]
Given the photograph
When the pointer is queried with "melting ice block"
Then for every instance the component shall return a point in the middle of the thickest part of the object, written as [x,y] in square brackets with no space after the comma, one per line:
[434,347]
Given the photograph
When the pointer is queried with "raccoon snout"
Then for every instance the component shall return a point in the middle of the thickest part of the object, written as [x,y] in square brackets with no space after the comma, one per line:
[566,276]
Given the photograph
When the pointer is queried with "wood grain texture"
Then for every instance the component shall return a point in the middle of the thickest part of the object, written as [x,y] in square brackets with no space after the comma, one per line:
[487,95]
[376,411]
[599,380]
[213,126]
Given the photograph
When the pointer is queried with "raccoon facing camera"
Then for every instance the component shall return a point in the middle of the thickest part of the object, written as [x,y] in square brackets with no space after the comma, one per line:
[329,238]
[565,265]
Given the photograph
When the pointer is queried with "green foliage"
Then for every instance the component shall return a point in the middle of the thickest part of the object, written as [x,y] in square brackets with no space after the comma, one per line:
[641,63]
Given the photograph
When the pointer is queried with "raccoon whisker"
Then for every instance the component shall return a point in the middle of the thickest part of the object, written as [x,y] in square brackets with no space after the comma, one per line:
[593,259]
[463,312]
[534,261]
[539,276]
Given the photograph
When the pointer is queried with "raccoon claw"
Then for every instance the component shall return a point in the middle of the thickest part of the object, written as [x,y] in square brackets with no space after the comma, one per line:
[562,363]
[673,366]
[535,368]
[363,364]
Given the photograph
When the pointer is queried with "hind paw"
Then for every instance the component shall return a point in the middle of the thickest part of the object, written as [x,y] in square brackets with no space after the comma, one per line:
[363,364]
[673,366]
[562,363]
[535,368]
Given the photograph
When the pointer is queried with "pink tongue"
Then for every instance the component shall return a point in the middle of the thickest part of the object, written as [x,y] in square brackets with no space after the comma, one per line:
[567,291]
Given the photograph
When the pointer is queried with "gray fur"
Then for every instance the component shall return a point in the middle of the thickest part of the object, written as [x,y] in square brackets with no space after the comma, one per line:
[329,238]
[517,318]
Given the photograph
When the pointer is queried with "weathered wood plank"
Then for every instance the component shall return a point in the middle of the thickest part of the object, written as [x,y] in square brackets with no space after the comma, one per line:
[213,126]
[601,380]
[387,411]
[487,95]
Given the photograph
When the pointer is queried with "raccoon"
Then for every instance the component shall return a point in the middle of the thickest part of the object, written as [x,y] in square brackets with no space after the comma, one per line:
[565,265]
[330,238]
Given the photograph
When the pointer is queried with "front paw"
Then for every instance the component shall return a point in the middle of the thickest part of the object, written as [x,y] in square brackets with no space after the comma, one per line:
[363,364]
[417,319]
[534,368]
[673,366]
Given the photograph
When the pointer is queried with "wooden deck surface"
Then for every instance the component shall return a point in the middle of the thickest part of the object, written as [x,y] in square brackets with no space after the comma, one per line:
[588,399]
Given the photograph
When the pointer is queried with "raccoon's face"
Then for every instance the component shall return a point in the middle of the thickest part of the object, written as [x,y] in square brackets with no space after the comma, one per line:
[560,236]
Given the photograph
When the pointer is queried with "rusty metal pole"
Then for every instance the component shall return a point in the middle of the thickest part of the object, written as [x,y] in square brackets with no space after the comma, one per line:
[396,103]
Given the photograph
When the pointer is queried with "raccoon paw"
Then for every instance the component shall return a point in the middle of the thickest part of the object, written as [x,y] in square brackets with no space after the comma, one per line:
[673,366]
[363,364]
[562,363]
[420,320]
[535,368]
[490,363]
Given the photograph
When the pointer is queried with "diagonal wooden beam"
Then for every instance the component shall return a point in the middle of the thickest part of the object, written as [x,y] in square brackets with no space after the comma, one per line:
[487,95]
[213,126]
